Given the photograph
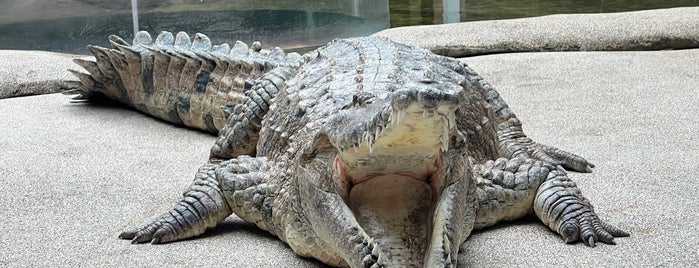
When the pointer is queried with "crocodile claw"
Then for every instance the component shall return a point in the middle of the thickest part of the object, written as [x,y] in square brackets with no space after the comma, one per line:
[589,229]
[560,157]
[156,232]
[591,241]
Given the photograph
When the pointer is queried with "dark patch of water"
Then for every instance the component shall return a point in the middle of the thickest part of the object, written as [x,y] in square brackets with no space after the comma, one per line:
[424,12]
[284,28]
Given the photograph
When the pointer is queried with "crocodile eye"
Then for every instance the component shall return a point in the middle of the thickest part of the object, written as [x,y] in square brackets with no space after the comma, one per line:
[355,102]
[360,100]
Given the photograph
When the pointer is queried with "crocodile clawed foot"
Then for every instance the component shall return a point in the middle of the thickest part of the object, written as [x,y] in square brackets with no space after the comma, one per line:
[561,206]
[589,229]
[560,157]
[157,231]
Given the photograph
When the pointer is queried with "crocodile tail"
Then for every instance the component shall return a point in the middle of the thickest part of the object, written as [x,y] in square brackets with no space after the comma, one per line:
[180,80]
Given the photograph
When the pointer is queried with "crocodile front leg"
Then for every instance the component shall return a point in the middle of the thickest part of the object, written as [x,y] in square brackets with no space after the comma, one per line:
[525,146]
[512,142]
[217,191]
[506,188]
[511,188]
[562,207]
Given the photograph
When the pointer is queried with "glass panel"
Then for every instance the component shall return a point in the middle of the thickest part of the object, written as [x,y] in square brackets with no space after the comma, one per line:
[421,12]
[68,25]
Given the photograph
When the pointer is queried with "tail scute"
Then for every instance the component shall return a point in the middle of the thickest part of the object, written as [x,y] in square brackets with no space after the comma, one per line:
[176,78]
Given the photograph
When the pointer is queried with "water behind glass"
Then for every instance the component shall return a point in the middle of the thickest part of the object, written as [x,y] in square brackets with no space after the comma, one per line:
[68,25]
[422,12]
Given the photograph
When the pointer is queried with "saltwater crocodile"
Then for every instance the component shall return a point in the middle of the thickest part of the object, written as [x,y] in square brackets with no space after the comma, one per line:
[362,153]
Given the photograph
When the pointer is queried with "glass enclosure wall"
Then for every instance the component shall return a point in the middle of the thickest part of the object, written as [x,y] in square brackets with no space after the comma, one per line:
[422,12]
[68,25]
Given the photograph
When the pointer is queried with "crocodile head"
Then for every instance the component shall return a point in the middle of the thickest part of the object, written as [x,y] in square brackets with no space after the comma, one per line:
[391,158]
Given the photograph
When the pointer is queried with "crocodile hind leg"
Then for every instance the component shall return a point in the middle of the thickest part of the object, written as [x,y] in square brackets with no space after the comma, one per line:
[562,207]
[510,189]
[217,191]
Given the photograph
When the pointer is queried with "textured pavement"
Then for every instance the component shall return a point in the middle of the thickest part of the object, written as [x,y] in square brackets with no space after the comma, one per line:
[73,176]
[24,73]
[638,30]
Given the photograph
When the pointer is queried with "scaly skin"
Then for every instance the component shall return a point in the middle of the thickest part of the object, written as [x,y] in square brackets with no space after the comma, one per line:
[368,154]
[182,81]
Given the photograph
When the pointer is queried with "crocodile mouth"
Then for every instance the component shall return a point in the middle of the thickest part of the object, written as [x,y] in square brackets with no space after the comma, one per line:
[392,183]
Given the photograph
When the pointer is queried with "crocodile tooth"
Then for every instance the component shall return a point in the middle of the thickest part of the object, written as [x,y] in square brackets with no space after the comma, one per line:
[365,136]
[452,120]
[445,130]
[447,246]
[374,137]
[444,138]
[396,116]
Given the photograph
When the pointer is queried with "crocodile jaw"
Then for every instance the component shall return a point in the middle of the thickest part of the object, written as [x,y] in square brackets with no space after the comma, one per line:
[392,181]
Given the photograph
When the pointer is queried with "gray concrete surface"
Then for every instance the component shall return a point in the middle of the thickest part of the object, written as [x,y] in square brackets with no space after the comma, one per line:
[74,175]
[639,30]
[24,73]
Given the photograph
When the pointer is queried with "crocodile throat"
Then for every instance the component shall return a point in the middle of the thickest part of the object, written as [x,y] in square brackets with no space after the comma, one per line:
[391,184]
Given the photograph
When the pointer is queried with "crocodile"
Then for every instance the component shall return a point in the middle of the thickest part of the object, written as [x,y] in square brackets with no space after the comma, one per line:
[362,153]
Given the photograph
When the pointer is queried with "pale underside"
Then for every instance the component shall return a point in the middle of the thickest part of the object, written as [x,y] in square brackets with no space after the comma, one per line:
[392,180]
